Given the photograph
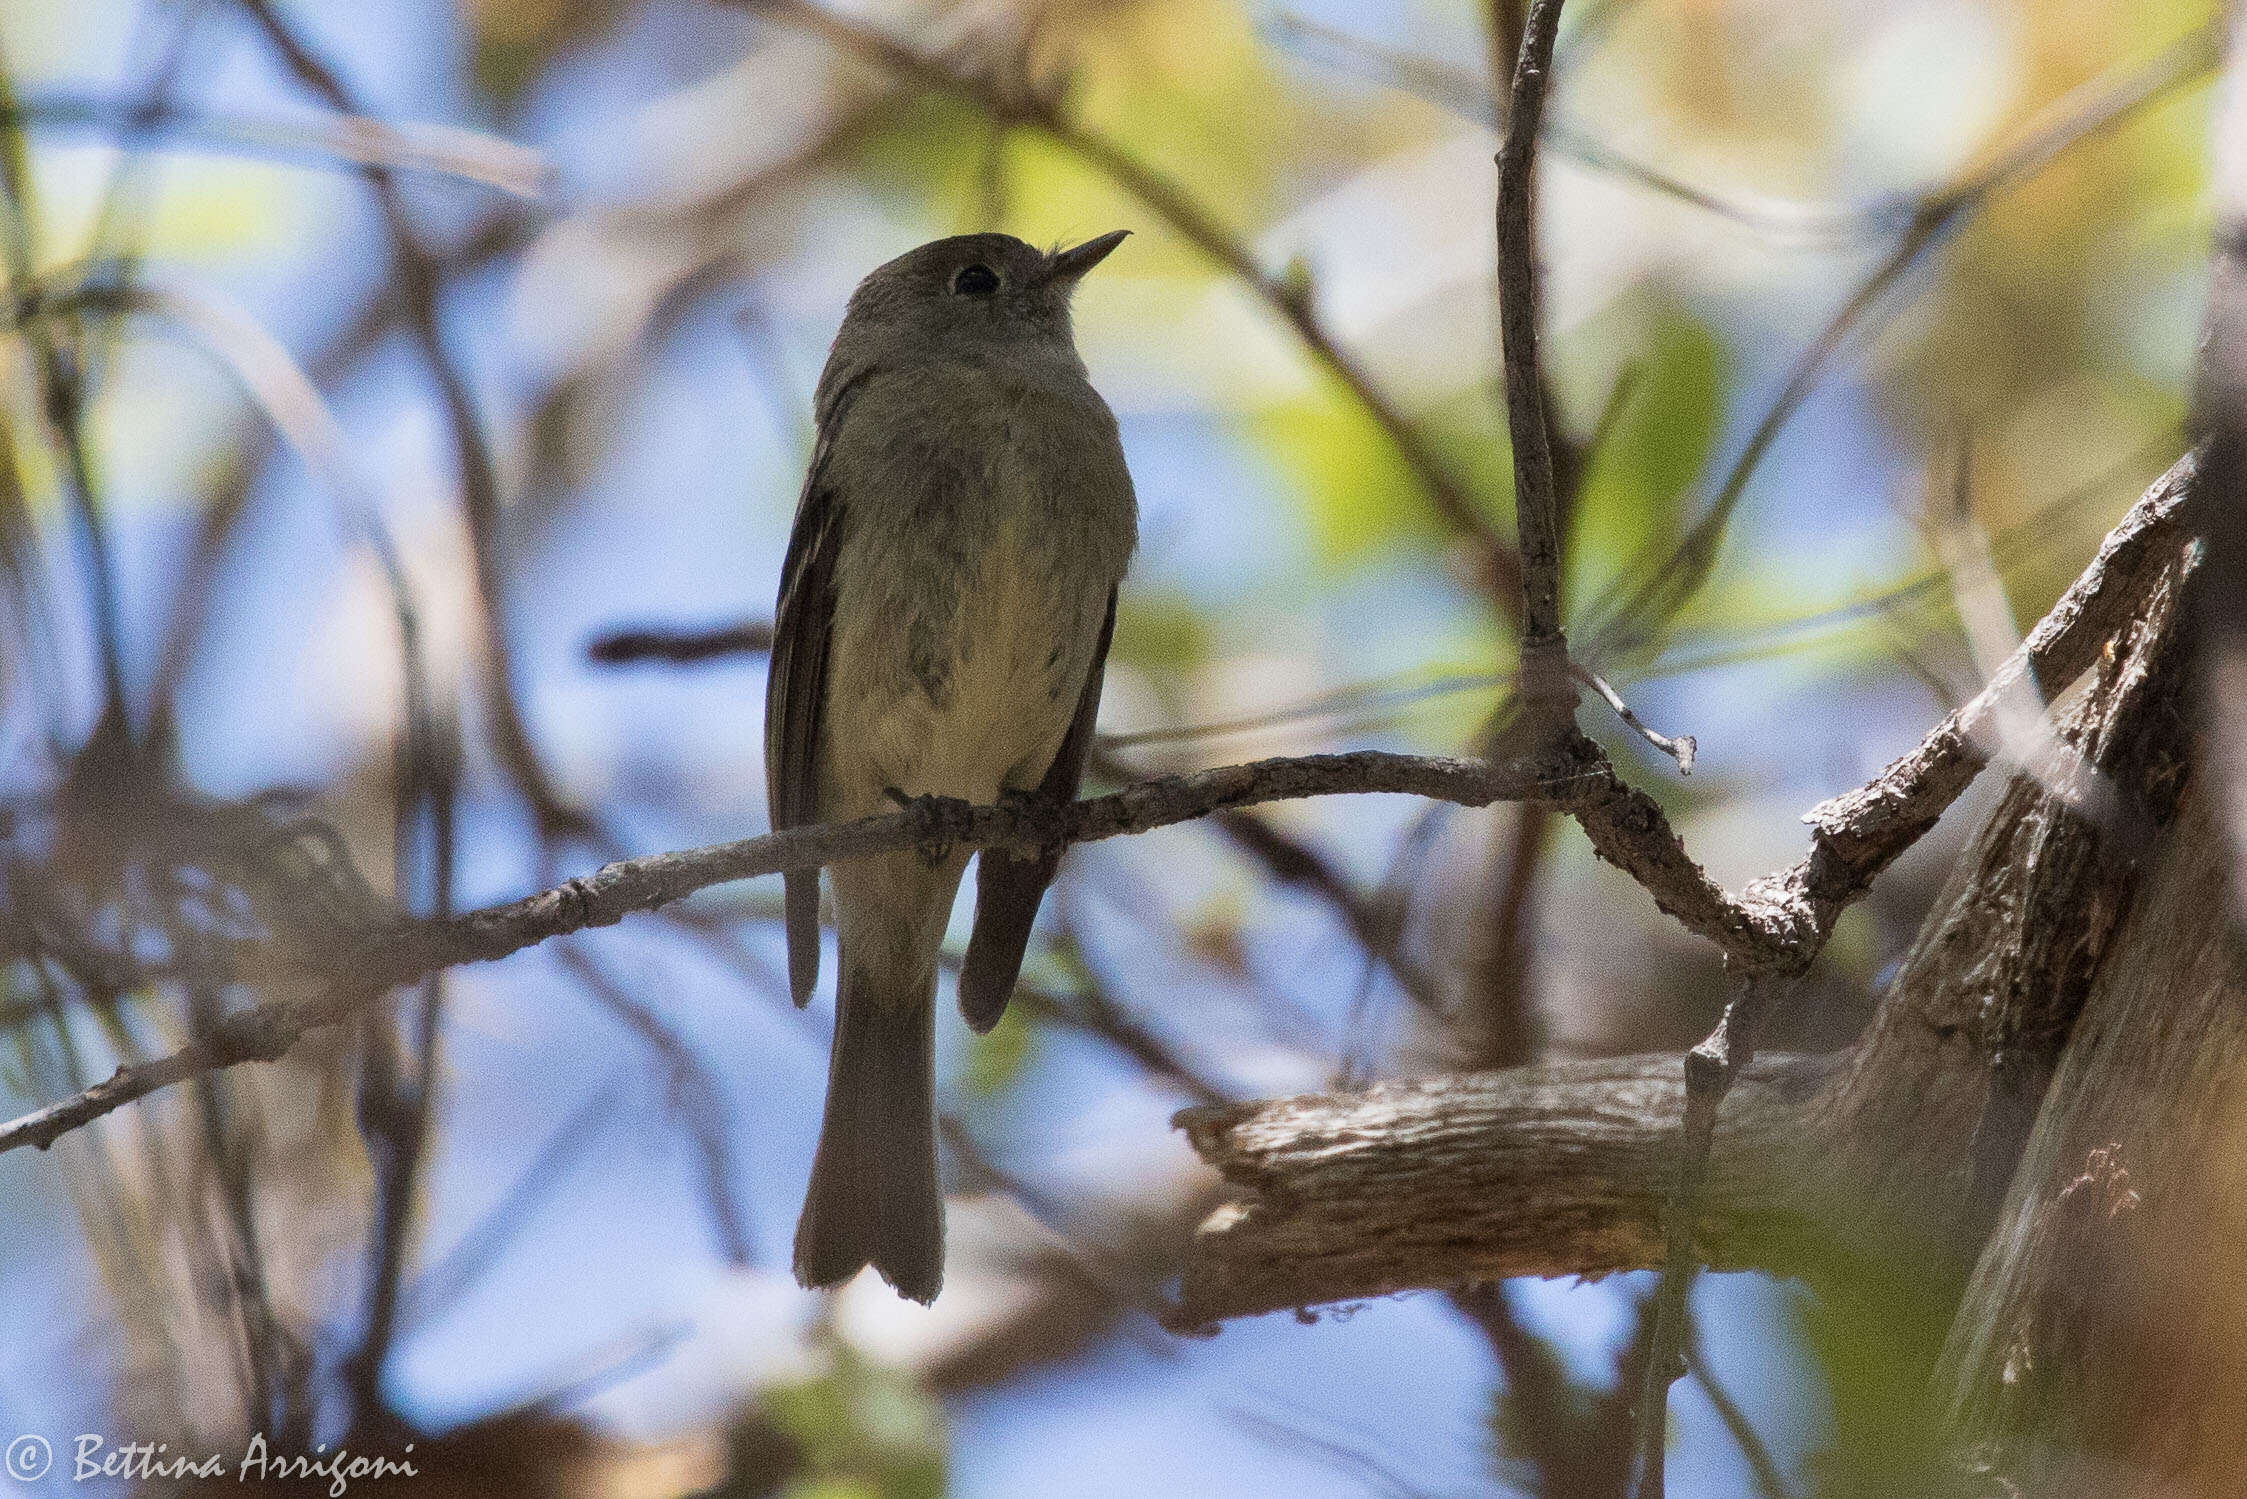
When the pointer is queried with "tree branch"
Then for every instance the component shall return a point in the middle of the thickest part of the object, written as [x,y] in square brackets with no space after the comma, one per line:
[1859,834]
[1890,1147]
[407,950]
[1555,1170]
[1536,499]
[1779,923]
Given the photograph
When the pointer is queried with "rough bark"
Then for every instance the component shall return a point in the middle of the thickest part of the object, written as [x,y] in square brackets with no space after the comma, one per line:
[1556,1170]
[1900,1145]
[2102,1348]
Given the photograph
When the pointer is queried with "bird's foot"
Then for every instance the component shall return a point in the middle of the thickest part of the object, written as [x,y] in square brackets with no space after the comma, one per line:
[1037,812]
[938,822]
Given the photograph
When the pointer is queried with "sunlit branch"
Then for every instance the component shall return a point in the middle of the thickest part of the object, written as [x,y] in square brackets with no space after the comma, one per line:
[1544,648]
[347,141]
[1821,224]
[1779,925]
[417,285]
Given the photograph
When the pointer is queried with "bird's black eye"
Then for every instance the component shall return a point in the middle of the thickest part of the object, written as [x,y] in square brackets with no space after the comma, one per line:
[975,281]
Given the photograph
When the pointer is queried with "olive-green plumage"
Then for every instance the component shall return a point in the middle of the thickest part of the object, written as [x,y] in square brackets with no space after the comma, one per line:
[943,622]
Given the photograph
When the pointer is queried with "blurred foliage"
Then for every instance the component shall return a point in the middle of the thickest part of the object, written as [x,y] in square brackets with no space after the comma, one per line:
[1876,1334]
[996,1059]
[1669,399]
[737,161]
[516,41]
[1361,500]
[863,1432]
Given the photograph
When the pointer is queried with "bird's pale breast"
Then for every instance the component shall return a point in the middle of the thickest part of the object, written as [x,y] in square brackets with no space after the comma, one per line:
[960,666]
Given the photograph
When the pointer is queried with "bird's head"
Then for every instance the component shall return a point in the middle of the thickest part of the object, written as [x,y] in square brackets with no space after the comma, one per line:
[975,290]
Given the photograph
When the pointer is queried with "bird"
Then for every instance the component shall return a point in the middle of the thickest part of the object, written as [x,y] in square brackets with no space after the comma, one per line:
[945,611]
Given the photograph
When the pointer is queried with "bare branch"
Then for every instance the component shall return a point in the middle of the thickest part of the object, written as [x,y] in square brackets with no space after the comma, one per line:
[1779,924]
[347,140]
[1536,500]
[680,647]
[408,950]
[1555,1170]
[1859,834]
[1904,1141]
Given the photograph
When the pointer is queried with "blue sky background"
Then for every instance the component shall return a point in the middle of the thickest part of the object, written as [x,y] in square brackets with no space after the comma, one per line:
[675,509]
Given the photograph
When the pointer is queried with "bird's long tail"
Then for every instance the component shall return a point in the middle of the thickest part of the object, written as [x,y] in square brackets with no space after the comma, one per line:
[874,1198]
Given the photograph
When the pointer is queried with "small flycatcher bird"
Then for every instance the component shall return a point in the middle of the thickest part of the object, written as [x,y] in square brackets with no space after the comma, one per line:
[944,616]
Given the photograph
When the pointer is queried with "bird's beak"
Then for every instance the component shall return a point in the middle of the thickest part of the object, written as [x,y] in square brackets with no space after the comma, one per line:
[1065,266]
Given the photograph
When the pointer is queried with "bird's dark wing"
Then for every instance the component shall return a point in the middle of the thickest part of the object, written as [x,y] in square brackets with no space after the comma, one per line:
[796,690]
[1008,887]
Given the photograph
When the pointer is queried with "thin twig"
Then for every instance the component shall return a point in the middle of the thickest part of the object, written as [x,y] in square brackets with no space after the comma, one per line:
[1681,749]
[417,285]
[1499,1014]
[694,1096]
[1360,704]
[1546,681]
[1340,1456]
[439,1285]
[61,407]
[1296,862]
[364,330]
[1462,93]
[1859,833]
[1625,616]
[1710,1070]
[1777,926]
[1770,1483]
[2020,732]
[340,141]
[677,647]
[2035,535]
[1094,1009]
[1536,500]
